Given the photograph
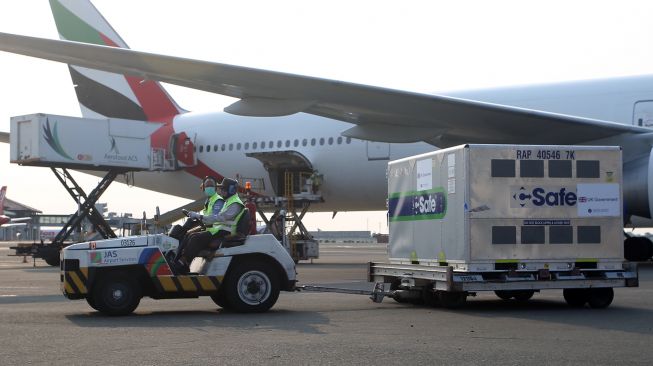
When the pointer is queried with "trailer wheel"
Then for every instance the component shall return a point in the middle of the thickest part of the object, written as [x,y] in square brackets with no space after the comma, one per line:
[252,287]
[430,298]
[395,286]
[576,297]
[116,294]
[600,298]
[522,295]
[452,299]
[503,294]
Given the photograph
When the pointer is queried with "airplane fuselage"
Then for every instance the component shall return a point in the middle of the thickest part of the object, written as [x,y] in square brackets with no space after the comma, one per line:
[354,170]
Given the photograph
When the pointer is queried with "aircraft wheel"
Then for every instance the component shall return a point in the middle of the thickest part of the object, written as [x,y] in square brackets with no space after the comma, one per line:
[638,249]
[52,260]
[252,287]
[116,294]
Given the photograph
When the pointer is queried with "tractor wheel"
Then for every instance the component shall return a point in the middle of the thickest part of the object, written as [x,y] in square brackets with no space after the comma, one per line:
[220,300]
[91,302]
[116,294]
[251,287]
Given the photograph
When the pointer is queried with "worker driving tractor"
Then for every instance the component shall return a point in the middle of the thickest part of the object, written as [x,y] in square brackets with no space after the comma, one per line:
[222,213]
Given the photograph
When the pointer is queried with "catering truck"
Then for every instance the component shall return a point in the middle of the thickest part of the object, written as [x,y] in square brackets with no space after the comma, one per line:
[513,219]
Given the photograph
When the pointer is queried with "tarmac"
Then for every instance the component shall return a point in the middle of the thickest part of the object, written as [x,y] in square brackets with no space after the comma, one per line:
[38,326]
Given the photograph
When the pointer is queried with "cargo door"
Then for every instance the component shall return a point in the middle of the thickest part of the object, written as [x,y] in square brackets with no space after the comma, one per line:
[378,150]
[183,151]
[25,143]
[643,113]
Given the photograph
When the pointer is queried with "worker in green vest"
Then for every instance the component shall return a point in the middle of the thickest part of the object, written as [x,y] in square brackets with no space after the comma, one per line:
[219,225]
[194,225]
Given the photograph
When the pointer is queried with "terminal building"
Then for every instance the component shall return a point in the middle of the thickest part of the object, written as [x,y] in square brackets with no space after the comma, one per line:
[27,230]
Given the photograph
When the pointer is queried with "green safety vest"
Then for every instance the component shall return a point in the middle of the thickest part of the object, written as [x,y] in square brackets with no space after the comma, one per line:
[208,209]
[229,226]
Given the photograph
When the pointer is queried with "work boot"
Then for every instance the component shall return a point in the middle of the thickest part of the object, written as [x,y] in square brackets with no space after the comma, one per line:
[179,268]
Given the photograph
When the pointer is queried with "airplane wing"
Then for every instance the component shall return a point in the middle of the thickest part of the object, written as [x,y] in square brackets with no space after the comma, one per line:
[4,137]
[378,114]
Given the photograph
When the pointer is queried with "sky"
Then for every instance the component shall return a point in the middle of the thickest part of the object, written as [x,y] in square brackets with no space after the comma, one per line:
[423,46]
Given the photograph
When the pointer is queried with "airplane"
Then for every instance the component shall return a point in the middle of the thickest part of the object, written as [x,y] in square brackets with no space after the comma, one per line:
[6,221]
[346,131]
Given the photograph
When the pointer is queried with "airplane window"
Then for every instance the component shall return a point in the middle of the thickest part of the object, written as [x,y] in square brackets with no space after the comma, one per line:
[271,145]
[304,142]
[222,147]
[287,143]
[262,144]
[231,147]
[254,145]
[296,143]
[215,147]
[321,140]
[349,140]
[279,143]
[313,142]
[339,140]
[238,146]
[201,148]
[208,148]
[195,148]
[330,140]
[247,146]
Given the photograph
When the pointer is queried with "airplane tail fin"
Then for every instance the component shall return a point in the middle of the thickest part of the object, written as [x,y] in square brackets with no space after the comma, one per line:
[105,94]
[3,193]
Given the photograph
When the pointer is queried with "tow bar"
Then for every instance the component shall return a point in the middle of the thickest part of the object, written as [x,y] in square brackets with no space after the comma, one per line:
[376,295]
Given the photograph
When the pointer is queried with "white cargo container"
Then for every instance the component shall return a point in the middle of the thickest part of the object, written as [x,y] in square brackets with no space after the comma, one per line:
[509,218]
[487,207]
[86,143]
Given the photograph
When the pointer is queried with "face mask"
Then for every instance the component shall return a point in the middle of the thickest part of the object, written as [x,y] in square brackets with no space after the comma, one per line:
[209,191]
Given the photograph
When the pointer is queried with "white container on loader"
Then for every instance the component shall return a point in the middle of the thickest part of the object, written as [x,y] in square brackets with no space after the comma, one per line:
[513,219]
[87,143]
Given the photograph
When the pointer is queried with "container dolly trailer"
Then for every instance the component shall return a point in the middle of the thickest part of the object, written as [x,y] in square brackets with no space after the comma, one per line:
[513,219]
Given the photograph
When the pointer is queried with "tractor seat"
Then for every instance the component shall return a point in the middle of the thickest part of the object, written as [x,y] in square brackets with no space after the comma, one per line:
[230,241]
